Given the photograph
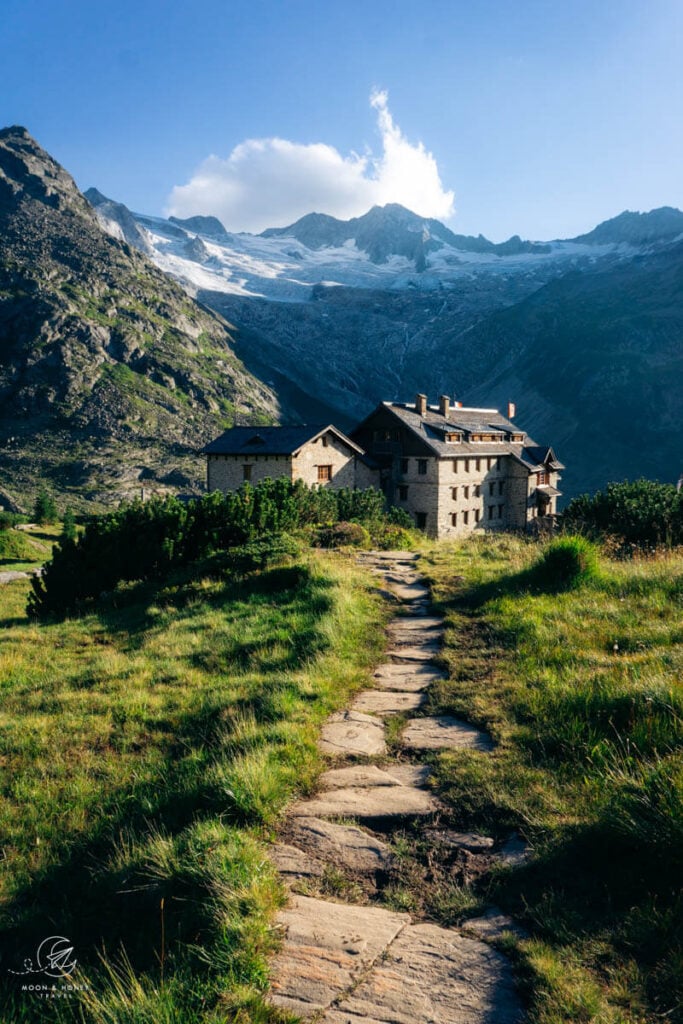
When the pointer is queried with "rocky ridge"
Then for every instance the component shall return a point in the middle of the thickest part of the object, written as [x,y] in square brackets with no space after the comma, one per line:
[111,376]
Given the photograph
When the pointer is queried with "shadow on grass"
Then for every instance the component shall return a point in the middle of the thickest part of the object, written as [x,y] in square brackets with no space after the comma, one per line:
[99,907]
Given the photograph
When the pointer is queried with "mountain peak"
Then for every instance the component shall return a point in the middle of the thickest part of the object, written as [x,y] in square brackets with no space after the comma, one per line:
[660,225]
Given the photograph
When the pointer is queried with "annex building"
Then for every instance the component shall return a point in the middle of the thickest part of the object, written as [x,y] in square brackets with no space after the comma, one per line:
[454,469]
[320,455]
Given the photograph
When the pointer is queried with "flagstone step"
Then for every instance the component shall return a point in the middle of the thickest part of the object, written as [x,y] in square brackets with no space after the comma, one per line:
[345,964]
[408,677]
[443,733]
[369,803]
[351,732]
[388,702]
[343,846]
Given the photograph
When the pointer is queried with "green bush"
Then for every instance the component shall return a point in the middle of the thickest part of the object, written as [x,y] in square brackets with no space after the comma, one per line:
[343,535]
[144,539]
[395,538]
[641,514]
[566,563]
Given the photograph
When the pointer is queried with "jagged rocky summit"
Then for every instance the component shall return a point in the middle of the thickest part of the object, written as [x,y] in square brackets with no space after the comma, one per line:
[111,376]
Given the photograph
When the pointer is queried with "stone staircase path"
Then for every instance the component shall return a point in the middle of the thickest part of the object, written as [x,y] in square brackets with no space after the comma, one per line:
[350,963]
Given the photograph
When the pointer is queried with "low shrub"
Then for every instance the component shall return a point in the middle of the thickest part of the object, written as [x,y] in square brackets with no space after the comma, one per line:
[395,538]
[638,514]
[566,563]
[343,535]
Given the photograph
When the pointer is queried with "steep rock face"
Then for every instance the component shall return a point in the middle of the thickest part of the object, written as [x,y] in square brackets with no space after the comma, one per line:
[596,363]
[109,373]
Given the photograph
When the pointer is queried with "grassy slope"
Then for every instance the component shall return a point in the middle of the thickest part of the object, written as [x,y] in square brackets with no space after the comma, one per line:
[25,549]
[146,752]
[588,768]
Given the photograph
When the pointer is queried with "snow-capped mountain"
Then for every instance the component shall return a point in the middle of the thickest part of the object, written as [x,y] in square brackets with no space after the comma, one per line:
[582,333]
[389,248]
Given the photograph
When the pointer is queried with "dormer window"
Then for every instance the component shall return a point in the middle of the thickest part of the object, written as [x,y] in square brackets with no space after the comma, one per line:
[453,438]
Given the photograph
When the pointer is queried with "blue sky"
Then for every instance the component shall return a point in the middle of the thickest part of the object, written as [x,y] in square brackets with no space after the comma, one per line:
[542,118]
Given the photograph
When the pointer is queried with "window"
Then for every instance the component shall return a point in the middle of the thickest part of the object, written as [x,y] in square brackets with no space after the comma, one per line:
[465,492]
[402,492]
[421,520]
[455,465]
[477,490]
[454,493]
[465,518]
[467,465]
[477,515]
[498,464]
[404,465]
[454,518]
[325,440]
[324,473]
[422,466]
[246,472]
[489,463]
[478,465]
[500,486]
[490,511]
[500,511]
[492,488]
[542,478]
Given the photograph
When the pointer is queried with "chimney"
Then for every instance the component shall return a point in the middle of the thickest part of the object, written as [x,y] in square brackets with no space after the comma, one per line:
[511,410]
[420,404]
[444,406]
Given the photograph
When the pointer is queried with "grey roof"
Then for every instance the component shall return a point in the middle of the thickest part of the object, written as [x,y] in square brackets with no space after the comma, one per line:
[548,490]
[431,427]
[248,441]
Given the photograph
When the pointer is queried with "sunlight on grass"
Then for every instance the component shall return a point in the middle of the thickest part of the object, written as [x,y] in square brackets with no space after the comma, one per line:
[146,748]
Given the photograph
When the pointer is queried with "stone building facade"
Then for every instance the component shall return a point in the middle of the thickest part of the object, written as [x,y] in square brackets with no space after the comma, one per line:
[458,470]
[322,456]
[455,470]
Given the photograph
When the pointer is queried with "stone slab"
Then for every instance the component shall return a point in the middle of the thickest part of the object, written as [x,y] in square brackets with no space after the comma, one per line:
[387,702]
[404,652]
[11,575]
[492,925]
[361,776]
[289,860]
[408,677]
[415,775]
[432,975]
[369,803]
[350,732]
[514,852]
[366,776]
[327,948]
[343,846]
[408,591]
[471,841]
[424,623]
[444,733]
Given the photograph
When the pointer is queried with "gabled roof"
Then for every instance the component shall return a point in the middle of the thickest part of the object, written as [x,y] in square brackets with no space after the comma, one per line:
[249,441]
[432,428]
[543,456]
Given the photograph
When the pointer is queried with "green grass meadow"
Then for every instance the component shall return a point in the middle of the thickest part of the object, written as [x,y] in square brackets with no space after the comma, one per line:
[147,751]
[579,677]
[149,748]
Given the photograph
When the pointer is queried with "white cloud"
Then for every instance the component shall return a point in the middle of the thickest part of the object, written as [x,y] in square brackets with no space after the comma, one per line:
[272,182]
